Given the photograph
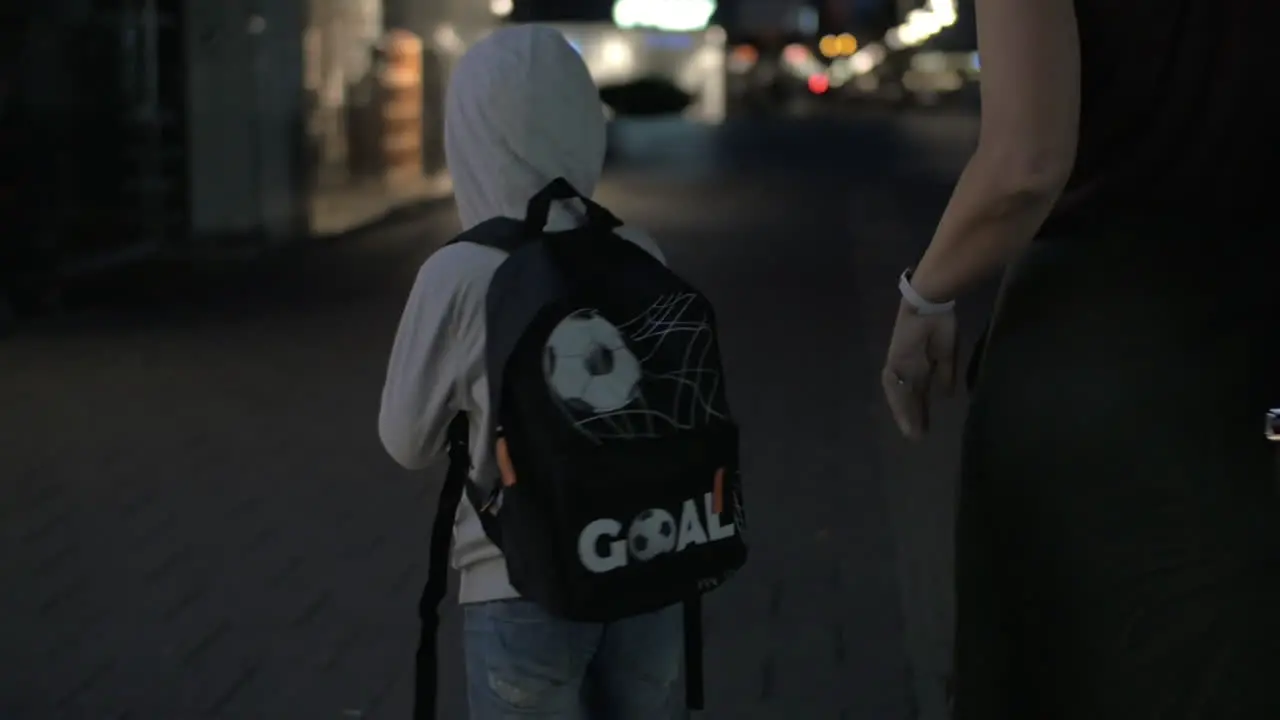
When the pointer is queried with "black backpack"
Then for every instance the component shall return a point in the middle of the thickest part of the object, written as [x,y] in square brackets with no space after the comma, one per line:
[620,492]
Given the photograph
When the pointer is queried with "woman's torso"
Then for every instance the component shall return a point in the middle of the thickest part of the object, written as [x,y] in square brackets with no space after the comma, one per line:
[1179,117]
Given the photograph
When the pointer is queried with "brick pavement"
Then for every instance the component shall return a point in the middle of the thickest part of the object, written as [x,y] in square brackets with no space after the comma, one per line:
[197,517]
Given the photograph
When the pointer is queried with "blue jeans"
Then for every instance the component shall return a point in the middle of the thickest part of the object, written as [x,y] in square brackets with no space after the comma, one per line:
[524,663]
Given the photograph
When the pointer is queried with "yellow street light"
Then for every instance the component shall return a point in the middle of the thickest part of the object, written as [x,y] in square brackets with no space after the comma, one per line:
[829,46]
[846,44]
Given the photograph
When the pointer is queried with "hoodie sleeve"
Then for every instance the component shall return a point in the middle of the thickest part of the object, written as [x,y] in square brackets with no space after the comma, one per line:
[422,389]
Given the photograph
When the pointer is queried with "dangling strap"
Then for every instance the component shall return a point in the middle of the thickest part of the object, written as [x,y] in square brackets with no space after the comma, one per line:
[428,662]
[693,678]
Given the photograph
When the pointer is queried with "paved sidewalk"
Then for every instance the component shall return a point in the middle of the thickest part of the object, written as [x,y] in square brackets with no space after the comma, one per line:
[197,519]
[337,210]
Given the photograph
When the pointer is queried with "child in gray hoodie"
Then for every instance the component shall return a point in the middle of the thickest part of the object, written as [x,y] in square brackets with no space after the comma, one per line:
[521,110]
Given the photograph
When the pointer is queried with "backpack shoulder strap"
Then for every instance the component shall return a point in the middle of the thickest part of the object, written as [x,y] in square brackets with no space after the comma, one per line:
[455,482]
[498,233]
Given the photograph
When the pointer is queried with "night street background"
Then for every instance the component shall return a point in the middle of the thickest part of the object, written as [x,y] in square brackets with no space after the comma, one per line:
[197,519]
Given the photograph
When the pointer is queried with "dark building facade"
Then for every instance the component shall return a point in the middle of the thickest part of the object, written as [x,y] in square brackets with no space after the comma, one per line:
[94,115]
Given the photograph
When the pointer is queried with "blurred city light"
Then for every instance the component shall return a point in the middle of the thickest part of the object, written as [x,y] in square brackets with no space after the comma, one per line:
[918,27]
[616,56]
[859,64]
[829,46]
[834,46]
[819,84]
[742,58]
[922,24]
[800,62]
[672,15]
[501,8]
[796,54]
[446,38]
[866,59]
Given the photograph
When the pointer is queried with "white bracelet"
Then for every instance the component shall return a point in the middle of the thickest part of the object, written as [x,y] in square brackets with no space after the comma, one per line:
[917,301]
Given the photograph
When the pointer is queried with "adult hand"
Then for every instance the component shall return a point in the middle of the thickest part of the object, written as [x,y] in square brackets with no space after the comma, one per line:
[921,360]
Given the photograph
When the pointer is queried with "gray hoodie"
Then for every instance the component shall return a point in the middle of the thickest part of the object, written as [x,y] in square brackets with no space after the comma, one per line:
[521,110]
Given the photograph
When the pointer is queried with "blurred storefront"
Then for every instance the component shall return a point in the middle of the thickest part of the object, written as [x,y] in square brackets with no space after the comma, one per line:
[375,73]
[191,127]
[345,98]
[374,102]
[447,28]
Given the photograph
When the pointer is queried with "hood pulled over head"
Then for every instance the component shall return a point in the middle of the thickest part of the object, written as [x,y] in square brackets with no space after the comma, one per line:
[521,110]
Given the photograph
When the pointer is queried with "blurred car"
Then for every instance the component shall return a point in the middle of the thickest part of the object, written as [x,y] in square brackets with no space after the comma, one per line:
[645,97]
[642,71]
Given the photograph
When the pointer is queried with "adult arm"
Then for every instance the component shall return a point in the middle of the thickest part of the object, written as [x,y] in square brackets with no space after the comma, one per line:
[1030,90]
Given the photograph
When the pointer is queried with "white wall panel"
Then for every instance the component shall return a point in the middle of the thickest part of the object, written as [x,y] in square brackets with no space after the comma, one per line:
[245,75]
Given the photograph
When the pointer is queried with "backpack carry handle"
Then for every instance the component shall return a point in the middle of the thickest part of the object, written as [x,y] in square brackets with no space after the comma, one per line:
[535,220]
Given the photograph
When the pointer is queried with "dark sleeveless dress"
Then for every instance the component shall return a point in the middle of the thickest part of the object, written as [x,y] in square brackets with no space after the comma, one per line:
[1118,538]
